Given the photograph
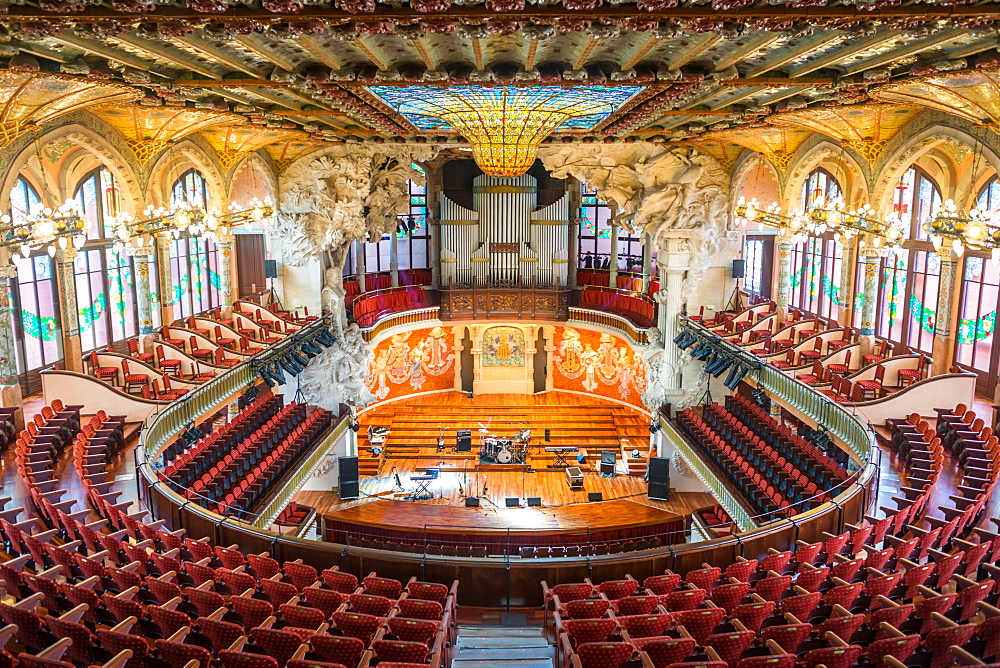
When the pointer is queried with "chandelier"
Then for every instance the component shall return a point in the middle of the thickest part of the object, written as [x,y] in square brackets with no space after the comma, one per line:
[44,227]
[506,125]
[822,216]
[185,218]
[977,231]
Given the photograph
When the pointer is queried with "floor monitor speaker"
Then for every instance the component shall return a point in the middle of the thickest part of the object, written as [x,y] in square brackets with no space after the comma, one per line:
[512,501]
[534,501]
[471,502]
[595,496]
[463,440]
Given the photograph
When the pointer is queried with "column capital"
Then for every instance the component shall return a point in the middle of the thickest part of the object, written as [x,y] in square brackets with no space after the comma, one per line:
[869,251]
[142,251]
[67,254]
[8,271]
[225,239]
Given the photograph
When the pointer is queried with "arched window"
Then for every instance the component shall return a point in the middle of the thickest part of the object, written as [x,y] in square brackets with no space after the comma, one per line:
[816,262]
[917,196]
[105,280]
[194,261]
[595,245]
[988,199]
[820,183]
[34,299]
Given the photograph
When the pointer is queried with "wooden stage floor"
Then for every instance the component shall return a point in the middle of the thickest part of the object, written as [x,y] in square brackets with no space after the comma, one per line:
[588,422]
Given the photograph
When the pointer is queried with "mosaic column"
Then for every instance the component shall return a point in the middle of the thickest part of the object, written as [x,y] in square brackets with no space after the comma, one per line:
[166,281]
[225,245]
[69,312]
[873,266]
[613,269]
[10,389]
[359,264]
[784,291]
[847,265]
[647,262]
[573,247]
[946,321]
[144,307]
[673,258]
[393,259]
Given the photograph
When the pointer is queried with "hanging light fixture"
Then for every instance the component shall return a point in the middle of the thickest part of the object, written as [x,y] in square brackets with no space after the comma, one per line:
[506,124]
[43,227]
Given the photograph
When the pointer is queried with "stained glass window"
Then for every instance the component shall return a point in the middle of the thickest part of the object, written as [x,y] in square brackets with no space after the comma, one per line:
[757,252]
[820,183]
[915,200]
[194,261]
[412,241]
[989,196]
[816,262]
[595,246]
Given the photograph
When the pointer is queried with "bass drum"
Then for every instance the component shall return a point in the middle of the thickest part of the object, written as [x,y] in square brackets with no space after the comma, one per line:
[504,456]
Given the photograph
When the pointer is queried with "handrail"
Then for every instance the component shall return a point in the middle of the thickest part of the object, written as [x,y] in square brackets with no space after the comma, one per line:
[354,299]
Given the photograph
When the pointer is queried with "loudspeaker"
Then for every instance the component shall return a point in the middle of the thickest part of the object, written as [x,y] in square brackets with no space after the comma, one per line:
[463,440]
[738,268]
[270,268]
[659,478]
[472,502]
[348,485]
[512,501]
[594,496]
[534,501]
[548,436]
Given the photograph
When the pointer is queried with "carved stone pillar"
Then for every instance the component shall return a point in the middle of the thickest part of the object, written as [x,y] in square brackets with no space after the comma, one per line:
[613,268]
[647,261]
[673,259]
[848,264]
[432,173]
[140,260]
[359,264]
[784,291]
[393,259]
[225,244]
[10,389]
[68,309]
[873,264]
[166,281]
[946,322]
[573,248]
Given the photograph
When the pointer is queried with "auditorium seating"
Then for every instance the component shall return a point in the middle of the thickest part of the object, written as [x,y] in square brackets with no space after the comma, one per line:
[908,589]
[777,471]
[235,466]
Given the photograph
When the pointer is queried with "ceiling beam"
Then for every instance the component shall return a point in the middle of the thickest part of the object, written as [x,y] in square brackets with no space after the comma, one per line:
[177,59]
[105,51]
[371,52]
[753,45]
[831,59]
[307,112]
[477,53]
[640,52]
[532,55]
[813,15]
[424,53]
[783,59]
[222,56]
[702,44]
[312,46]
[268,54]
[584,55]
[903,51]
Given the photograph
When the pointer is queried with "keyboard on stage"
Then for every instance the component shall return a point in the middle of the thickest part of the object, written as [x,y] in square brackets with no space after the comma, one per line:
[559,451]
[562,448]
[422,477]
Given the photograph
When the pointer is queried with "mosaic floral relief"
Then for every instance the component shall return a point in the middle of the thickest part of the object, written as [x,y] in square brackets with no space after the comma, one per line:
[598,363]
[417,361]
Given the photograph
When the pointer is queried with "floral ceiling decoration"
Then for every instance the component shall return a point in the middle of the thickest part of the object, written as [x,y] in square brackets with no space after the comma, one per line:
[234,143]
[777,144]
[970,94]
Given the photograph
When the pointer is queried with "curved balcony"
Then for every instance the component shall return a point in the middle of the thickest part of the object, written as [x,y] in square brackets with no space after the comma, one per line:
[370,307]
[635,307]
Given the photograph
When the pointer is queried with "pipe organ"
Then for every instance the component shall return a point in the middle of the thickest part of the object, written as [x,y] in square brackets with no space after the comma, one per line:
[504,241]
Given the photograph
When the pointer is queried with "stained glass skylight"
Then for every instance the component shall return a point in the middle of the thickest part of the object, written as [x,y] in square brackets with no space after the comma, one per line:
[505,124]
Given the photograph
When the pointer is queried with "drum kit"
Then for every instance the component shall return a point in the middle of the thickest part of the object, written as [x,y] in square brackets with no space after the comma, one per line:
[505,450]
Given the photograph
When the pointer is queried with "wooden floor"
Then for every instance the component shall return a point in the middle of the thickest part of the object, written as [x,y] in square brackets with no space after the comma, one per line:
[590,423]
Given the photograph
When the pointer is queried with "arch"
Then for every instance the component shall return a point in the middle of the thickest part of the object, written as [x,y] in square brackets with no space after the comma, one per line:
[57,190]
[172,163]
[751,165]
[262,169]
[919,145]
[837,160]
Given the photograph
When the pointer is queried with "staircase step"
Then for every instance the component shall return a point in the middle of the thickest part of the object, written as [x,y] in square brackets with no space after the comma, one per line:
[501,641]
[505,654]
[501,631]
[523,663]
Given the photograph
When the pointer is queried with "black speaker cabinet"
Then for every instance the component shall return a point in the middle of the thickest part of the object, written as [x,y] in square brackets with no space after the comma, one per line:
[738,266]
[534,502]
[463,440]
[270,268]
[594,496]
[659,478]
[472,502]
[348,485]
[513,501]
[548,435]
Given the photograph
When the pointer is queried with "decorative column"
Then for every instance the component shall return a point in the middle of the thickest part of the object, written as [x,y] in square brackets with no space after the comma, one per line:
[946,320]
[673,260]
[845,311]
[359,264]
[394,259]
[613,268]
[784,291]
[68,309]
[432,174]
[225,245]
[873,264]
[573,247]
[10,389]
[140,259]
[166,280]
[647,261]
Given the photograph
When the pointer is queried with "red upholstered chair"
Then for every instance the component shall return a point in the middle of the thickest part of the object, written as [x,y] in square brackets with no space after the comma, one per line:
[220,359]
[281,645]
[752,615]
[79,634]
[101,372]
[193,326]
[664,652]
[688,599]
[329,601]
[166,365]
[166,337]
[169,621]
[413,630]
[246,348]
[133,380]
[768,661]
[874,386]
[338,649]
[417,609]
[582,631]
[636,605]
[345,583]
[133,351]
[253,611]
[116,642]
[428,591]
[357,625]
[400,650]
[910,376]
[788,636]
[277,591]
[303,663]
[301,575]
[179,654]
[832,657]
[604,654]
[729,646]
[586,608]
[301,616]
[386,587]
[842,368]
[228,342]
[199,353]
[645,626]
[661,584]
[615,589]
[807,356]
[233,659]
[898,648]
[371,605]
[701,622]
[837,344]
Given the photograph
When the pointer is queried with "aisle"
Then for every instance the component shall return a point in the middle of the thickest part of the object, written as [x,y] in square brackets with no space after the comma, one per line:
[502,646]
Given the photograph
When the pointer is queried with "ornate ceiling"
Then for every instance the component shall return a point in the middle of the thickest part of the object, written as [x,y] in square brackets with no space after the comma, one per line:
[760,74]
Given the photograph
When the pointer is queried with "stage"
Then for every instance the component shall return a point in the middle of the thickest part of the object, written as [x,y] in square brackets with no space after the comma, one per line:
[589,423]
